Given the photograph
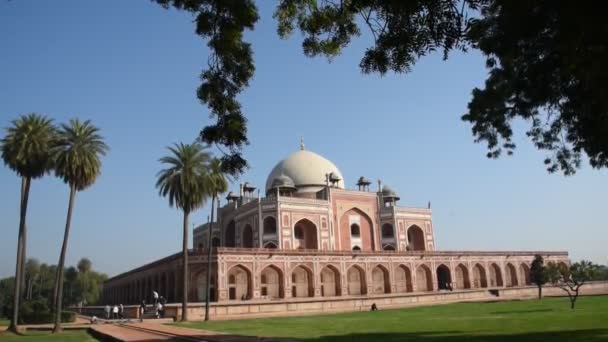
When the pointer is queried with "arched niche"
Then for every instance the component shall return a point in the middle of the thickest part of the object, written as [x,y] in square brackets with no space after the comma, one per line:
[415,236]
[302,282]
[424,279]
[462,277]
[479,277]
[230,235]
[270,225]
[380,280]
[356,281]
[330,281]
[247,237]
[239,283]
[305,235]
[271,282]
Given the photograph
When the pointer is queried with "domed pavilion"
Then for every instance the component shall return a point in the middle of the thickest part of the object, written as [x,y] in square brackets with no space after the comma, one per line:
[311,244]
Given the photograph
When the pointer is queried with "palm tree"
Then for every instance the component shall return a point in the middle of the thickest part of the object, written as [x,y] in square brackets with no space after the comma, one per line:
[26,150]
[183,183]
[76,155]
[217,181]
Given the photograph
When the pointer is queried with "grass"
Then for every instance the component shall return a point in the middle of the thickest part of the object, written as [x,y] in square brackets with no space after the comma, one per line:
[35,336]
[530,320]
[4,322]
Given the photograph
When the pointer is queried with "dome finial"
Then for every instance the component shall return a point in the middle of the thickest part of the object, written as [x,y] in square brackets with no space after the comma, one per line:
[302,143]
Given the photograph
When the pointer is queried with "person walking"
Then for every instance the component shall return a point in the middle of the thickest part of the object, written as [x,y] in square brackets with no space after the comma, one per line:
[142,310]
[115,312]
[107,311]
[121,311]
[160,310]
[155,295]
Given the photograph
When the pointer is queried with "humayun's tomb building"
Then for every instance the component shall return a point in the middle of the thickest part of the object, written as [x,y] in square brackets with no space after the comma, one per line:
[312,245]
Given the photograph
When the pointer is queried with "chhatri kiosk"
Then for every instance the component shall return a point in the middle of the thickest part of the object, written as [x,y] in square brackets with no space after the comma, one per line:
[310,244]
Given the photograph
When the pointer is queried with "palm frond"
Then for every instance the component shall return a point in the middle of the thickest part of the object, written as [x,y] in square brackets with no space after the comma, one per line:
[27,144]
[77,153]
[184,180]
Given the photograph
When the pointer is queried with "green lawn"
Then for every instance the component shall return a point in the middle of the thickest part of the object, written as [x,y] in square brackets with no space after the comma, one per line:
[66,336]
[530,320]
[4,322]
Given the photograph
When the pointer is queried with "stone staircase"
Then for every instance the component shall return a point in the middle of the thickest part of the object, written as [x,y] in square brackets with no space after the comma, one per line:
[149,312]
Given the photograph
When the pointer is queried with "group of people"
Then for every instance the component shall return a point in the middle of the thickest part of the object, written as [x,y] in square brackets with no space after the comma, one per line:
[118,311]
[115,312]
[159,306]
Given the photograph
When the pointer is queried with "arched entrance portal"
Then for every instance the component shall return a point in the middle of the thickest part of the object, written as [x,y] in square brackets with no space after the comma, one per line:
[495,276]
[301,282]
[356,281]
[380,280]
[403,279]
[511,275]
[424,279]
[271,280]
[415,236]
[239,283]
[357,229]
[479,277]
[305,234]
[330,281]
[462,277]
[444,278]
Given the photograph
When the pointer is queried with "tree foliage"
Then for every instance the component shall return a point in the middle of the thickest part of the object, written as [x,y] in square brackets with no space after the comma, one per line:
[229,69]
[27,145]
[571,279]
[185,182]
[538,273]
[545,61]
[79,287]
[76,152]
[26,149]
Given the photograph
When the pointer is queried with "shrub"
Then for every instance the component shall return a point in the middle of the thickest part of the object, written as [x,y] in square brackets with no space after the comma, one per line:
[68,316]
[35,312]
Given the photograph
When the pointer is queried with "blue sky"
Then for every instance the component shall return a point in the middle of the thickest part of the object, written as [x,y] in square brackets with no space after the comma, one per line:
[133,67]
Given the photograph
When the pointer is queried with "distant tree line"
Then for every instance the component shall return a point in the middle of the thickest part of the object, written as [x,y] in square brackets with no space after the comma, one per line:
[82,286]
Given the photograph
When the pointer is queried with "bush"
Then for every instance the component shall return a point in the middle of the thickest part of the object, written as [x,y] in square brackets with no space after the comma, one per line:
[38,312]
[68,316]
[35,312]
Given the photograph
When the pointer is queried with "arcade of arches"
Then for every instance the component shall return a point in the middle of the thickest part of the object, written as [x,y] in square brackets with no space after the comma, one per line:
[364,277]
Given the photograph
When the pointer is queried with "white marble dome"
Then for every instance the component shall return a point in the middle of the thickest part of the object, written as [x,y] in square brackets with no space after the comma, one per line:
[307,170]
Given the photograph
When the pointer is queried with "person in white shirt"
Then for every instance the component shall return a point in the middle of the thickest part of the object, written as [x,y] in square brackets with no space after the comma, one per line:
[155,294]
[159,310]
[115,312]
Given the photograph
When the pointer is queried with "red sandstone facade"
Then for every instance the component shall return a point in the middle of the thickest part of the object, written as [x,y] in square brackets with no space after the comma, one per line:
[310,237]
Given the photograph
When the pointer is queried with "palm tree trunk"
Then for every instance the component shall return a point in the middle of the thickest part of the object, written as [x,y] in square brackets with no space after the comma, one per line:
[24,261]
[185,269]
[209,248]
[64,247]
[25,192]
